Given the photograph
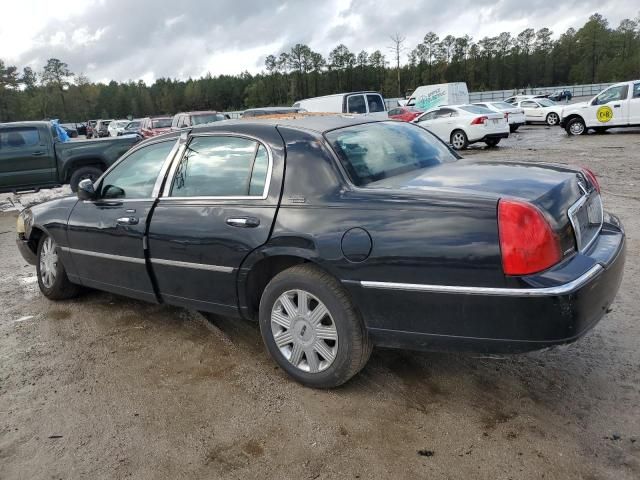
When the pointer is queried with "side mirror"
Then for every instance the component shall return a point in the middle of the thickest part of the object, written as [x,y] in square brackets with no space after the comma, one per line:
[86,190]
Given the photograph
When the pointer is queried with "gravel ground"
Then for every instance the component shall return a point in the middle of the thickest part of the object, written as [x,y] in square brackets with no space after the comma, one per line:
[107,387]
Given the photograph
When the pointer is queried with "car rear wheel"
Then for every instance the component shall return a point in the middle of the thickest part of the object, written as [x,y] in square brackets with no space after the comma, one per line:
[459,140]
[553,119]
[82,173]
[576,126]
[513,128]
[52,277]
[492,142]
[312,329]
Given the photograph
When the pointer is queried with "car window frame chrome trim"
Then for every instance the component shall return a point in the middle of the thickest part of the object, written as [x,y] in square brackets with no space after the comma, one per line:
[166,190]
[564,289]
[571,213]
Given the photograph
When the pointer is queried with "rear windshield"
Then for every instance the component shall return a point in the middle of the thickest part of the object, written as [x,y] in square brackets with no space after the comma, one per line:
[502,105]
[475,109]
[206,118]
[161,123]
[376,151]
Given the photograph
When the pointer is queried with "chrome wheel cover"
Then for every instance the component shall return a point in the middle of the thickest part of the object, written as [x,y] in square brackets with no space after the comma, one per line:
[457,140]
[577,128]
[552,119]
[48,262]
[304,331]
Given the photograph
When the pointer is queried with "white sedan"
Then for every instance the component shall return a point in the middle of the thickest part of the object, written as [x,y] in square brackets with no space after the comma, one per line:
[461,125]
[541,110]
[117,127]
[514,115]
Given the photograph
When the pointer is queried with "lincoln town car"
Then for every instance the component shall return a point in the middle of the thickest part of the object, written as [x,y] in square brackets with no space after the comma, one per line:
[337,234]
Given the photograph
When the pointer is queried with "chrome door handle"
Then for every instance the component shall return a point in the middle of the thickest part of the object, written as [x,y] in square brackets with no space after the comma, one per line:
[616,106]
[244,222]
[127,221]
[37,154]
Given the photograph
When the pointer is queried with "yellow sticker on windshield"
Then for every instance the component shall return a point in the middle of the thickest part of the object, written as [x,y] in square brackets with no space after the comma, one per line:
[604,114]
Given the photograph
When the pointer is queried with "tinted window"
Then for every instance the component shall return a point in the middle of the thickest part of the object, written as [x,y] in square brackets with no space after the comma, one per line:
[136,175]
[446,112]
[428,116]
[613,94]
[545,102]
[502,105]
[19,137]
[161,122]
[206,118]
[220,167]
[377,151]
[395,111]
[636,90]
[355,104]
[376,104]
[529,104]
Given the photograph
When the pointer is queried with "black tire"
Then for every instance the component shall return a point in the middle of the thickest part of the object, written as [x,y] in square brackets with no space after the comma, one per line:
[353,344]
[513,128]
[92,173]
[61,288]
[576,126]
[600,129]
[492,142]
[459,140]
[553,119]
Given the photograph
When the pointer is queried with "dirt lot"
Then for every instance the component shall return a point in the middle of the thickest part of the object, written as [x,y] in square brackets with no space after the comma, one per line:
[106,387]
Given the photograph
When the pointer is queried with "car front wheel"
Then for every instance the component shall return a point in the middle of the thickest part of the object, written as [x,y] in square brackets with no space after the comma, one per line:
[52,277]
[492,142]
[459,140]
[553,119]
[576,126]
[312,329]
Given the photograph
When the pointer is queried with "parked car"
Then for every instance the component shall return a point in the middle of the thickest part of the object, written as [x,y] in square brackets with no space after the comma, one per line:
[152,126]
[133,127]
[116,127]
[515,116]
[102,128]
[560,95]
[91,125]
[191,119]
[427,97]
[405,114]
[517,98]
[541,110]
[461,125]
[617,106]
[261,112]
[370,103]
[32,157]
[375,233]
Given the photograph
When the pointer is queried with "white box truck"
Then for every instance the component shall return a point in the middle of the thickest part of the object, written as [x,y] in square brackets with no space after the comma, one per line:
[430,96]
[370,103]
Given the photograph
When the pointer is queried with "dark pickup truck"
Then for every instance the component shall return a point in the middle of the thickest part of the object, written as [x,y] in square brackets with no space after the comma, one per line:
[32,157]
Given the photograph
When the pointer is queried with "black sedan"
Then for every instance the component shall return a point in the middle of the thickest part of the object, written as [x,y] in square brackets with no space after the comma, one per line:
[337,234]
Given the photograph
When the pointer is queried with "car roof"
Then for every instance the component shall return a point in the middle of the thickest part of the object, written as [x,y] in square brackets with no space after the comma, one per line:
[35,123]
[197,112]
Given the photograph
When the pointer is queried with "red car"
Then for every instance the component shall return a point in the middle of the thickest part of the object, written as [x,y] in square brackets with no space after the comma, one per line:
[406,114]
[152,126]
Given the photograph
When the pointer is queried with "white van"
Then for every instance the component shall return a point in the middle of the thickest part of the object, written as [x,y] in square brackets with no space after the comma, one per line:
[430,96]
[370,103]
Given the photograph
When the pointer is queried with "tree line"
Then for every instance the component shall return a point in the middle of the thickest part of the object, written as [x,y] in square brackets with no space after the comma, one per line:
[594,53]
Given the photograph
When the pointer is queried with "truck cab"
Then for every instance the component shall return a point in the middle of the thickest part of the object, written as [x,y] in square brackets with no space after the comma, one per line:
[615,107]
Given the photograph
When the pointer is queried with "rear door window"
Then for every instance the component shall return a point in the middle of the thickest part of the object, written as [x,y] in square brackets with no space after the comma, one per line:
[356,104]
[376,104]
[221,166]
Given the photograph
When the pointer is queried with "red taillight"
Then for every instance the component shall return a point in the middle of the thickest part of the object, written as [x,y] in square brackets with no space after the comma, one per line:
[592,178]
[506,116]
[527,243]
[479,120]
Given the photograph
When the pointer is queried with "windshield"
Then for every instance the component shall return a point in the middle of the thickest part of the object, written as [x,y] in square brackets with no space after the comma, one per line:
[545,102]
[206,118]
[376,151]
[132,125]
[161,123]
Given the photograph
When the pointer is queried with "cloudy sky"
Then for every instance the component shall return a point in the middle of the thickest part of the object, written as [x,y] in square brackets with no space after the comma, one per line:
[147,39]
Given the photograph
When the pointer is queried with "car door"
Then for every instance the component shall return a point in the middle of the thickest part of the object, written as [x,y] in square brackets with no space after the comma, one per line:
[428,121]
[218,205]
[26,158]
[532,111]
[375,106]
[106,235]
[634,105]
[610,108]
